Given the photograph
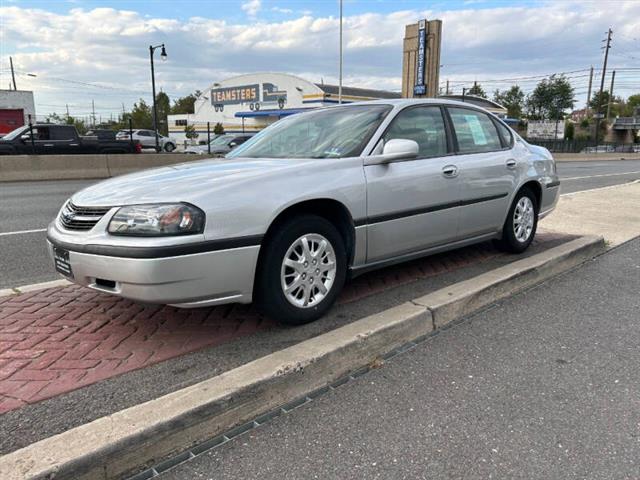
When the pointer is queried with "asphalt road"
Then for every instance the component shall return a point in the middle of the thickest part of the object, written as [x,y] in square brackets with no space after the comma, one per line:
[543,385]
[27,208]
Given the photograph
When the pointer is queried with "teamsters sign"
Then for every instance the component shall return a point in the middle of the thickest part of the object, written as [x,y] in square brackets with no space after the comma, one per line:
[420,88]
[234,95]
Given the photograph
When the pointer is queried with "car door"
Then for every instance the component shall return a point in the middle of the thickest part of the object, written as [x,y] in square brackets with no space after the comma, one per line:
[42,143]
[412,205]
[65,140]
[145,137]
[487,169]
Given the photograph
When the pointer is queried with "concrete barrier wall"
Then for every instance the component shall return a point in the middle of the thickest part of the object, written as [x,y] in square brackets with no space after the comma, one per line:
[582,157]
[68,167]
[15,168]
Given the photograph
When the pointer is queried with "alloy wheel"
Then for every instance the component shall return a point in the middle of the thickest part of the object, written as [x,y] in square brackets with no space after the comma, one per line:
[308,270]
[523,219]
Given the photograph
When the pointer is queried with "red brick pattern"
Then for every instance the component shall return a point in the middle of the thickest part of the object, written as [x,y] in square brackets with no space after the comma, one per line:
[60,339]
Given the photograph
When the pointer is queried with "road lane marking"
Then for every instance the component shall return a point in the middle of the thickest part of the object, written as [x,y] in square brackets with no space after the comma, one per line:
[20,232]
[602,175]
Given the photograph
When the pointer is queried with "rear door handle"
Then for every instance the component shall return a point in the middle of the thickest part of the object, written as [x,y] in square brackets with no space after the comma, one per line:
[450,171]
[511,163]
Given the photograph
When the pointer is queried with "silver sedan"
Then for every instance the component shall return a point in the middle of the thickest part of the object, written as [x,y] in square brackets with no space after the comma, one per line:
[308,202]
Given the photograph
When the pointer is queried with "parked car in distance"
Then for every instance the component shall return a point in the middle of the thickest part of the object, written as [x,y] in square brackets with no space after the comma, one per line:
[599,149]
[43,139]
[102,134]
[314,198]
[221,145]
[147,139]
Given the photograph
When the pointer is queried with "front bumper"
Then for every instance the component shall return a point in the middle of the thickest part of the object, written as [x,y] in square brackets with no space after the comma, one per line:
[190,280]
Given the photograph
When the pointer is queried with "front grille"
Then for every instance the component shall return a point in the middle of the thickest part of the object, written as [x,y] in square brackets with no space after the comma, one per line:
[74,217]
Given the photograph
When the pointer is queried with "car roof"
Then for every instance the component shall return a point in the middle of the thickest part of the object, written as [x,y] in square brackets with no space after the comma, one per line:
[415,101]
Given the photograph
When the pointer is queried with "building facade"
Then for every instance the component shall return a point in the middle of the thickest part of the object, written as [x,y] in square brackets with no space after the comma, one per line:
[16,106]
[249,103]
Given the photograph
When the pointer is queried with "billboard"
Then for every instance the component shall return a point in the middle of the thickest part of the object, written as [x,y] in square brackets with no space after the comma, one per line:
[549,130]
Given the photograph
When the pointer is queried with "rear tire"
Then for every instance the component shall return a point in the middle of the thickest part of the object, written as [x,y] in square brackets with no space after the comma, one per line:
[297,284]
[521,223]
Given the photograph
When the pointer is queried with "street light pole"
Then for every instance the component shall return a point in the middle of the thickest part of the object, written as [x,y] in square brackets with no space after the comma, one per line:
[163,54]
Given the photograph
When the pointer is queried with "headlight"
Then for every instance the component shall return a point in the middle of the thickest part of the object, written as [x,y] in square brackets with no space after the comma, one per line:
[157,220]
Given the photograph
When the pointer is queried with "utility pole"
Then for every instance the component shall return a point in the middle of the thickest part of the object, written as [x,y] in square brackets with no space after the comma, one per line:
[13,75]
[93,113]
[340,72]
[589,90]
[604,72]
[67,105]
[447,86]
[613,77]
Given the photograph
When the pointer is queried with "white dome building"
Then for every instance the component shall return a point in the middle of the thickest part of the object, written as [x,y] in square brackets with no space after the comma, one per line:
[251,102]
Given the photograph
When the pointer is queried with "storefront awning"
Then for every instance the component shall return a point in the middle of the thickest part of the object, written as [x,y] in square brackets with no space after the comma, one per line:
[275,112]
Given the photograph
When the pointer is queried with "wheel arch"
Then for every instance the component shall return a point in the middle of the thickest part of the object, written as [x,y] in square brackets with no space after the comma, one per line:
[535,187]
[331,209]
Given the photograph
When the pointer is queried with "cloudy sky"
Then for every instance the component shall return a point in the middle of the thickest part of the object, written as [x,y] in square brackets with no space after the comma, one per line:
[84,50]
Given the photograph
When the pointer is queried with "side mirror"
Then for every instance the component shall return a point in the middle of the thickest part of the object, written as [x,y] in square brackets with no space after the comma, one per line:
[25,138]
[233,144]
[396,150]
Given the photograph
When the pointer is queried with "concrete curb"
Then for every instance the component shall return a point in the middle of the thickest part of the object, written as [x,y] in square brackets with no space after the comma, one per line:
[34,287]
[113,446]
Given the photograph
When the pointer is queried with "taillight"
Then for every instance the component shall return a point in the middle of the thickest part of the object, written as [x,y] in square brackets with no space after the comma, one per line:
[138,147]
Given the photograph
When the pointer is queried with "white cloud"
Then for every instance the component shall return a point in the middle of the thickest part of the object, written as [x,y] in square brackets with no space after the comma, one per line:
[282,10]
[110,47]
[252,7]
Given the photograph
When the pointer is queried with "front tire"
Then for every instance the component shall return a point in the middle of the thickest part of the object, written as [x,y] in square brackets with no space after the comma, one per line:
[521,223]
[303,268]
[169,147]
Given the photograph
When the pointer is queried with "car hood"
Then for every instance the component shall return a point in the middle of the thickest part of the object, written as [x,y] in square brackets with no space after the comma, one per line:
[185,182]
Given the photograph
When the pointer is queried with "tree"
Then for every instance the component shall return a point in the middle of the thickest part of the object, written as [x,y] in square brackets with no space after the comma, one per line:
[634,100]
[80,125]
[513,99]
[190,132]
[598,103]
[218,129]
[551,98]
[185,104]
[141,115]
[569,130]
[477,91]
[163,107]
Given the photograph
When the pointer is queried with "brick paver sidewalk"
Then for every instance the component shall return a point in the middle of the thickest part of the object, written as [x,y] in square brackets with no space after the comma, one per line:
[56,340]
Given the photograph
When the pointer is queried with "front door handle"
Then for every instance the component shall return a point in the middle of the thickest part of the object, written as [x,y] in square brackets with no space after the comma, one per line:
[450,171]
[511,163]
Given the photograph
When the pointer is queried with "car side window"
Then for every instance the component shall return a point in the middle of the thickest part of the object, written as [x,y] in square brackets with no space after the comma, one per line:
[41,133]
[63,133]
[474,130]
[424,125]
[506,134]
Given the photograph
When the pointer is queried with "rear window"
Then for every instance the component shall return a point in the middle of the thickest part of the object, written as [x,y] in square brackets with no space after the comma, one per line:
[475,131]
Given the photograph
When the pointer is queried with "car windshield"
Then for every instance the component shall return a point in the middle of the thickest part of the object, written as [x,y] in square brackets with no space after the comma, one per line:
[16,133]
[221,140]
[334,132]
